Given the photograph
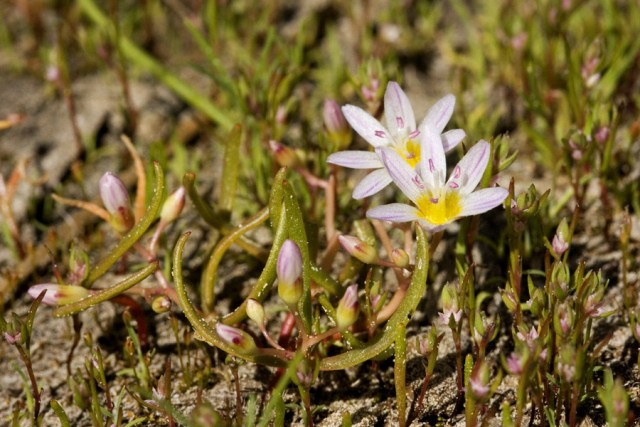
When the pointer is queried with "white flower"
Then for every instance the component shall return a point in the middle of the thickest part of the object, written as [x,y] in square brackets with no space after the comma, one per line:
[438,202]
[401,134]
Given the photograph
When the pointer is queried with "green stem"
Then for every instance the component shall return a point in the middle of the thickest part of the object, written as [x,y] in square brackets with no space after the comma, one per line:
[399,374]
[398,319]
[135,233]
[276,393]
[106,294]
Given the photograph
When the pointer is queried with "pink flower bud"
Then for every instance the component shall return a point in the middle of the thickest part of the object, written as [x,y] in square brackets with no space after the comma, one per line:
[241,341]
[399,257]
[348,308]
[447,316]
[602,135]
[359,249]
[514,365]
[284,155]
[116,200]
[519,41]
[559,245]
[52,74]
[12,338]
[172,207]
[113,193]
[289,272]
[334,120]
[479,382]
[58,294]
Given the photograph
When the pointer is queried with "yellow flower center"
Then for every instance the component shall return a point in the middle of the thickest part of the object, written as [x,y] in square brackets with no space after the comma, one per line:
[440,209]
[410,152]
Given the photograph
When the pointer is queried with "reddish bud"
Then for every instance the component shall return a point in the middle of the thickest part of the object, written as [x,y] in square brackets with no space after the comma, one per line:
[116,200]
[348,308]
[241,341]
[359,249]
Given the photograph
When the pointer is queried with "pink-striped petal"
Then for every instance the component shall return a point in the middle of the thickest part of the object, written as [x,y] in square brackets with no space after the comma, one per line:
[468,172]
[403,175]
[451,138]
[394,212]
[356,159]
[398,111]
[371,184]
[367,126]
[433,163]
[438,116]
[482,200]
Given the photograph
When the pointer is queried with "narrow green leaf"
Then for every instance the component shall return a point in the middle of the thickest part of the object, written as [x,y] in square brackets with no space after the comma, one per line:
[229,181]
[106,294]
[400,373]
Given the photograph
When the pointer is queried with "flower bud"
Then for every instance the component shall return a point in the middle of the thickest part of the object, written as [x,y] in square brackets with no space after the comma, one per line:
[255,311]
[430,344]
[451,314]
[563,320]
[172,207]
[514,364]
[529,338]
[359,249]
[537,302]
[58,294]
[348,308]
[560,276]
[567,363]
[602,135]
[400,257]
[116,200]
[52,74]
[509,299]
[479,381]
[304,373]
[336,125]
[78,266]
[161,304]
[241,341]
[289,272]
[12,338]
[284,155]
[560,242]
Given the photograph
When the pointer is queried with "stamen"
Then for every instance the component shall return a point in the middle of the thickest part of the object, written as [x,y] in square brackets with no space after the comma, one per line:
[434,200]
[400,122]
[432,167]
[379,133]
[414,134]
[453,184]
